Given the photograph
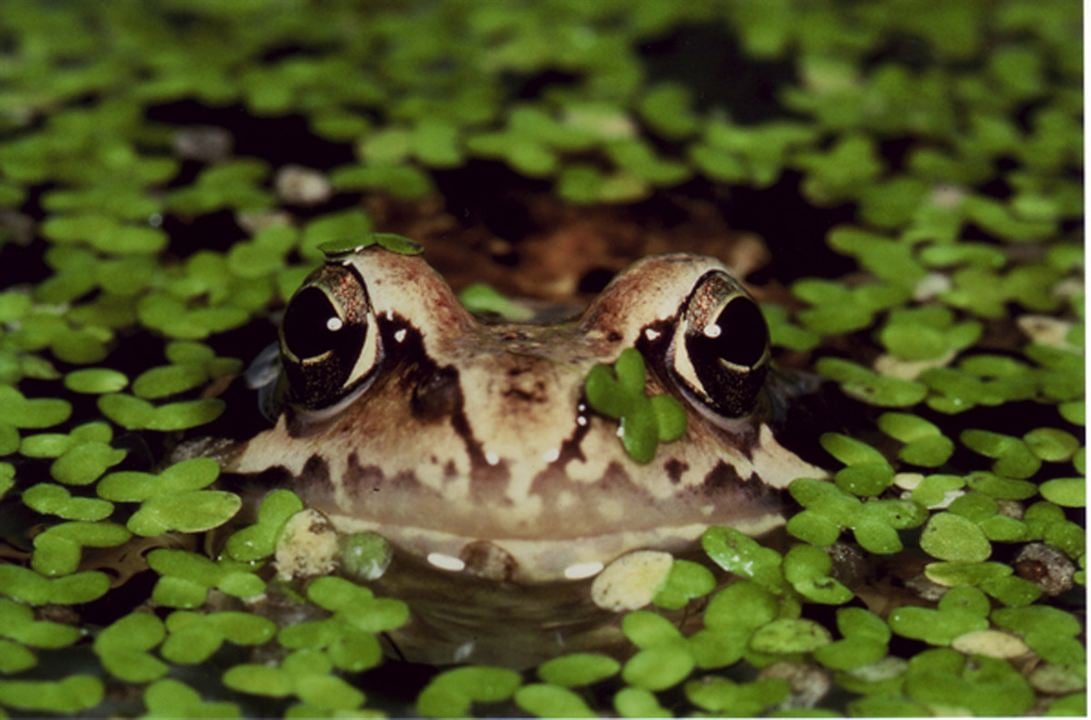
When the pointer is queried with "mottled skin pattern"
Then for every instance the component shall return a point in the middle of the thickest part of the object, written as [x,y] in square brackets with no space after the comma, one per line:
[472,442]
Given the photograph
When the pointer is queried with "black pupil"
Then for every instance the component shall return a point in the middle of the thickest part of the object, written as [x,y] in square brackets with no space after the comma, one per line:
[743,334]
[311,325]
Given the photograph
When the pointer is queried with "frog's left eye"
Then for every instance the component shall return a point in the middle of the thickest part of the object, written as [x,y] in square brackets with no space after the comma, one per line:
[329,339]
[720,351]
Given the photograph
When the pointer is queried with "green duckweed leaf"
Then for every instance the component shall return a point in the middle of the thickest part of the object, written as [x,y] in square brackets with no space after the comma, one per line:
[123,647]
[578,669]
[191,511]
[17,623]
[718,647]
[659,666]
[334,593]
[633,702]
[451,693]
[788,635]
[639,431]
[736,553]
[542,700]
[965,573]
[355,651]
[1073,411]
[1066,492]
[194,637]
[9,439]
[987,686]
[618,392]
[742,604]
[50,499]
[95,381]
[402,181]
[1012,591]
[924,445]
[870,387]
[31,413]
[182,477]
[28,586]
[185,414]
[74,694]
[263,680]
[782,333]
[1051,444]
[376,615]
[127,411]
[722,696]
[167,380]
[14,658]
[850,653]
[670,417]
[808,568]
[327,692]
[85,462]
[647,629]
[934,626]
[1013,457]
[259,540]
[1001,488]
[57,549]
[951,537]
[14,305]
[686,581]
[480,298]
[171,698]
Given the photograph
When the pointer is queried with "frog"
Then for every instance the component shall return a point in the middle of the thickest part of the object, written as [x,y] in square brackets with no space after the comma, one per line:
[468,444]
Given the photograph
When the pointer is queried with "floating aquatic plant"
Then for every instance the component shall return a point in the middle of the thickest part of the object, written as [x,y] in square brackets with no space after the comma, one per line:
[618,392]
[148,233]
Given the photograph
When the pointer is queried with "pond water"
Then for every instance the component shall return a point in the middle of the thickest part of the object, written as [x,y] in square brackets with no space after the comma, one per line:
[898,185]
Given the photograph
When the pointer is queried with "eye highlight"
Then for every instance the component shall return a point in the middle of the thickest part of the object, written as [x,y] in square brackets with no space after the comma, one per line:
[720,350]
[329,339]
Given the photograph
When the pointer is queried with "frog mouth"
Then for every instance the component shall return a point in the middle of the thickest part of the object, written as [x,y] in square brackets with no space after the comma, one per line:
[539,560]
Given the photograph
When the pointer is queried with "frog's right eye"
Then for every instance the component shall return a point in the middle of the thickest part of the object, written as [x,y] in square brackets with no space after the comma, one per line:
[719,355]
[329,339]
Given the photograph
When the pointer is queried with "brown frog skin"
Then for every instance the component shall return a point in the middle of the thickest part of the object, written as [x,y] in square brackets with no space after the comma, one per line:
[469,446]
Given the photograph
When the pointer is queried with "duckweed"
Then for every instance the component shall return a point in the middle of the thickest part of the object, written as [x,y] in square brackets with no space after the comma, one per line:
[618,392]
[542,700]
[924,157]
[578,669]
[172,698]
[451,693]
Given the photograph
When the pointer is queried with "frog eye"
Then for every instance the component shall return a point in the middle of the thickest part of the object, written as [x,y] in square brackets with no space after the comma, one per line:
[329,339]
[720,351]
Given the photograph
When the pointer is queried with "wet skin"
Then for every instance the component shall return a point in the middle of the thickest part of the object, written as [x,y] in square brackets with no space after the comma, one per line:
[469,446]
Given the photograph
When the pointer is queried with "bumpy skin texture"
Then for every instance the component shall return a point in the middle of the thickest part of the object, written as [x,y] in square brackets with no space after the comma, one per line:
[471,440]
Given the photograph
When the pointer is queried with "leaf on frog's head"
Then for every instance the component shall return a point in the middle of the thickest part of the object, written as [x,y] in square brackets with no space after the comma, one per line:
[388,241]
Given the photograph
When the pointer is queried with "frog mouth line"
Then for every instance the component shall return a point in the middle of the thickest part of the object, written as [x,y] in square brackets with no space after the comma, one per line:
[535,561]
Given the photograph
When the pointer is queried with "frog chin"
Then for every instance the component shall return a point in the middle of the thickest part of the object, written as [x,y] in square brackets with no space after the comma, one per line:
[543,560]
